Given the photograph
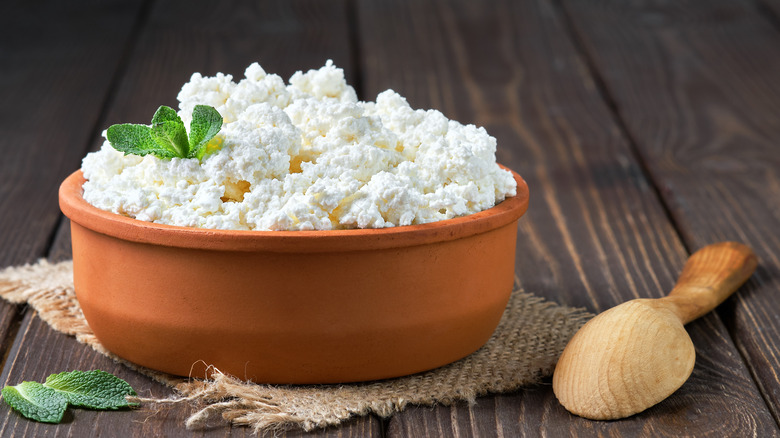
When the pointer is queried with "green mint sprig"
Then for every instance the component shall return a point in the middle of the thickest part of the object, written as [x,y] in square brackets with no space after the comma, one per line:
[47,402]
[36,402]
[166,136]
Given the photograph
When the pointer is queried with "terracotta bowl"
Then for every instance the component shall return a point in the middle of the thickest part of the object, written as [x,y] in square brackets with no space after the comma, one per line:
[292,306]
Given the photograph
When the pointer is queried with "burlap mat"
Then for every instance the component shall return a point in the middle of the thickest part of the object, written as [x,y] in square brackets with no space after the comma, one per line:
[523,350]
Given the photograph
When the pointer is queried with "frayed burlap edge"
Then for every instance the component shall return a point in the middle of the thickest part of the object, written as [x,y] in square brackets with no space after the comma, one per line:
[523,350]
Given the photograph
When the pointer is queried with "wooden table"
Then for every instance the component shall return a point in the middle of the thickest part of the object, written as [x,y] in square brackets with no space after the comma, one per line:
[645,130]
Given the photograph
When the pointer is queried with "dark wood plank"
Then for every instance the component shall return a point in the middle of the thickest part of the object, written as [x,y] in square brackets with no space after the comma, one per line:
[540,415]
[58,62]
[179,38]
[57,65]
[771,9]
[56,58]
[696,84]
[595,233]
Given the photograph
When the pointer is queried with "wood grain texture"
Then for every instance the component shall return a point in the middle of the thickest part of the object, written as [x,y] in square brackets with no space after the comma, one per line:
[771,10]
[595,234]
[176,39]
[58,61]
[696,85]
[536,413]
[710,275]
[57,66]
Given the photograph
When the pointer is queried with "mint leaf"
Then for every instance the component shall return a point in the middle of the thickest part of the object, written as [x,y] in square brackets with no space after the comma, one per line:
[206,123]
[36,401]
[94,389]
[47,402]
[135,139]
[165,114]
[168,131]
[167,137]
[172,136]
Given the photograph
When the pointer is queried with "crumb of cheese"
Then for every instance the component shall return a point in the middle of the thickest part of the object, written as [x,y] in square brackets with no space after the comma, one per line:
[305,156]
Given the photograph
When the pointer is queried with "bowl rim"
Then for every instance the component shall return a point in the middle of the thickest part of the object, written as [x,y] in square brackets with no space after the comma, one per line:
[86,215]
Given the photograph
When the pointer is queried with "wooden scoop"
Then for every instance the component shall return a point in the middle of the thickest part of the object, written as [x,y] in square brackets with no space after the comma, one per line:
[636,354]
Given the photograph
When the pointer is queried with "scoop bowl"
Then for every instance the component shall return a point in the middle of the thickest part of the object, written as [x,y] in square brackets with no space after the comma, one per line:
[638,353]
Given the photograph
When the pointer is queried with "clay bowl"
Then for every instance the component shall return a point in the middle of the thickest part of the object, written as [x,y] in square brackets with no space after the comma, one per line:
[292,306]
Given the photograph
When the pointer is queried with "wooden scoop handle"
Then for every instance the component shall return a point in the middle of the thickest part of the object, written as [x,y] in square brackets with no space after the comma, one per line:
[709,276]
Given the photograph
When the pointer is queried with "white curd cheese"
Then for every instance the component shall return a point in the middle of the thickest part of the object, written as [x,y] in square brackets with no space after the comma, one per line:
[305,156]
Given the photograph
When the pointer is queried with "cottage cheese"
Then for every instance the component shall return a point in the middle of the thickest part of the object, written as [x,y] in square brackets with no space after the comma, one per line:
[305,156]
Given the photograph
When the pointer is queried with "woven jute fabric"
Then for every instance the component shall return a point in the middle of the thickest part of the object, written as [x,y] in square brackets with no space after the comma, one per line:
[521,352]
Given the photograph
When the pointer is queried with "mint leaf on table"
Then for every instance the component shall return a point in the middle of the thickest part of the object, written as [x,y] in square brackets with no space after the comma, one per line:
[167,136]
[47,402]
[94,389]
[206,123]
[36,402]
